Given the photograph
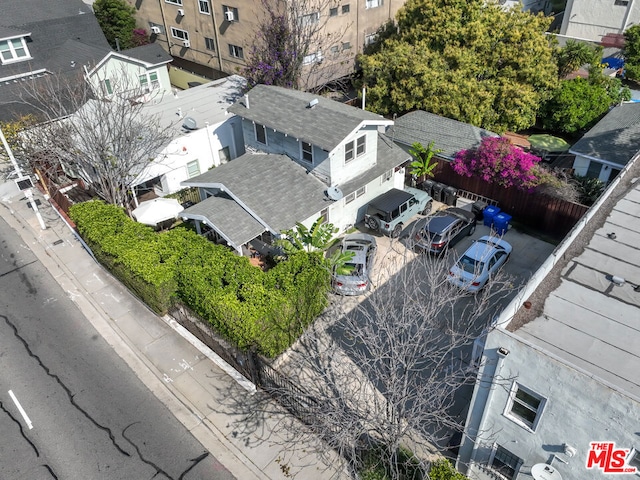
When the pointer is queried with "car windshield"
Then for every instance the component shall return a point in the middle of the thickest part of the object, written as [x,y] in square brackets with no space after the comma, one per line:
[470,265]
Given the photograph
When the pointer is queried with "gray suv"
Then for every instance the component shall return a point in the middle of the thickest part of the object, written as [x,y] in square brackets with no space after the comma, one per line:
[390,211]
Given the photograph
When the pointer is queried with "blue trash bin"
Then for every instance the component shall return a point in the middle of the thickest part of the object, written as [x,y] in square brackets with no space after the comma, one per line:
[488,214]
[501,223]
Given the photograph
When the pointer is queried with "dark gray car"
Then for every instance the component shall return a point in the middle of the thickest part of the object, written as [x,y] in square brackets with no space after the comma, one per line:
[444,229]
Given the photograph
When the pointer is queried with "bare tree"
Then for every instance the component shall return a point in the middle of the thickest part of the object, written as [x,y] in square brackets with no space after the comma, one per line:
[292,45]
[105,138]
[387,373]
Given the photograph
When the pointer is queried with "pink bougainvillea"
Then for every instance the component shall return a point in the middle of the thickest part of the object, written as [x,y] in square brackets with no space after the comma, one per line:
[496,160]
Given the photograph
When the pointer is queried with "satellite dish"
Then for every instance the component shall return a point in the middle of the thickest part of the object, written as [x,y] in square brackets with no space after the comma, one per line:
[544,471]
[190,123]
[334,193]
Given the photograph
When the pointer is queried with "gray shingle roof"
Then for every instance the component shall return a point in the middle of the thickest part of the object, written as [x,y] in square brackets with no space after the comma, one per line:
[228,216]
[22,12]
[449,135]
[65,35]
[274,187]
[325,125]
[8,32]
[615,138]
[152,53]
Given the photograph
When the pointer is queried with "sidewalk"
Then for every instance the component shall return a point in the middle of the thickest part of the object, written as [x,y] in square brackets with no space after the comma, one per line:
[176,367]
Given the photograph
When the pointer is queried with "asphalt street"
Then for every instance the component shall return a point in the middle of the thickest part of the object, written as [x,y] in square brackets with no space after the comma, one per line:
[70,408]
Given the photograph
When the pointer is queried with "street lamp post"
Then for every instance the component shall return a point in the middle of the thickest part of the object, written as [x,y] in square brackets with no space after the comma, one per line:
[20,180]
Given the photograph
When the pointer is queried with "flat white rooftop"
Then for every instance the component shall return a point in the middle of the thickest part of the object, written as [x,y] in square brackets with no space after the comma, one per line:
[589,320]
[205,103]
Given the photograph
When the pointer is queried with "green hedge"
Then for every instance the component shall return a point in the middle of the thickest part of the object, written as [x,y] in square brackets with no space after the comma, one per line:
[249,307]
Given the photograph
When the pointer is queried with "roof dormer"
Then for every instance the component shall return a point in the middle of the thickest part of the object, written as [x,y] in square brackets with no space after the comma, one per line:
[14,49]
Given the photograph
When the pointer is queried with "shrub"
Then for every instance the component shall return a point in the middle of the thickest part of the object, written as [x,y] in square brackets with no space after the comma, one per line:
[444,470]
[249,307]
[496,160]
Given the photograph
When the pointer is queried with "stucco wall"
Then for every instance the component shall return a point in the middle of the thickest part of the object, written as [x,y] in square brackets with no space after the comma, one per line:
[579,409]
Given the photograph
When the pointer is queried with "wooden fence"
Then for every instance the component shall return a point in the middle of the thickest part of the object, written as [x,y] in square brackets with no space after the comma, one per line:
[549,215]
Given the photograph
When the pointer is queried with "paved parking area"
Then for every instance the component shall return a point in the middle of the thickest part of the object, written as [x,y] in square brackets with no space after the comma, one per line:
[393,254]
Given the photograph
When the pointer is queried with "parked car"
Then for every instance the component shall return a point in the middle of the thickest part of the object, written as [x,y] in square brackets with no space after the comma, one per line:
[444,230]
[481,260]
[390,211]
[357,279]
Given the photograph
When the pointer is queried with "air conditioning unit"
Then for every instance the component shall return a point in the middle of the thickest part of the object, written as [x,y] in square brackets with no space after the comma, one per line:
[186,44]
[156,30]
[181,12]
[228,15]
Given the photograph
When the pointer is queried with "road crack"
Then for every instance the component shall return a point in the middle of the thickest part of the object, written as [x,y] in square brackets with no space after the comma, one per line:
[68,392]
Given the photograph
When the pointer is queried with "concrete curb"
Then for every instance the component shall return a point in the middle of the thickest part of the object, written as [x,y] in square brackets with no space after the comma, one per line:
[186,413]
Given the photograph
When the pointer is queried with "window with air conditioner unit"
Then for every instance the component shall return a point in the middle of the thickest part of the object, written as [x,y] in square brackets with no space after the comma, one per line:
[230,13]
[186,44]
[156,30]
[181,12]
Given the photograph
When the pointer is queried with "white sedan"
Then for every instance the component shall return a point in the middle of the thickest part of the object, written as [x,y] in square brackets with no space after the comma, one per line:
[481,260]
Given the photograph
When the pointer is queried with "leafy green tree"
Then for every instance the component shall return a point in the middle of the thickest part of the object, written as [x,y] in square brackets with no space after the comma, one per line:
[117,21]
[423,165]
[576,54]
[463,59]
[632,52]
[579,103]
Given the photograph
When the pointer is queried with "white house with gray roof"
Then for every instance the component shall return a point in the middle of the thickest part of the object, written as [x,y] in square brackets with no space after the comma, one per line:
[141,71]
[307,156]
[563,372]
[204,134]
[448,135]
[610,145]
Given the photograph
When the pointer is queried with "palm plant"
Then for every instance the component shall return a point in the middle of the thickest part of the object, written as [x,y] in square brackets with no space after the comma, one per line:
[423,165]
[317,238]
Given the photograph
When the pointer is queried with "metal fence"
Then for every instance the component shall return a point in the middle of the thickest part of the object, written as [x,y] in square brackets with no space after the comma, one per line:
[252,365]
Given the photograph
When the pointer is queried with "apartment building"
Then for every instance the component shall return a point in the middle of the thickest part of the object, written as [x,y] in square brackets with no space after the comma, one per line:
[213,38]
[593,19]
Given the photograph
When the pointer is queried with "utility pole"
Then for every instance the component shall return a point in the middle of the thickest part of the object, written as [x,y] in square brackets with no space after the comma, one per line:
[27,192]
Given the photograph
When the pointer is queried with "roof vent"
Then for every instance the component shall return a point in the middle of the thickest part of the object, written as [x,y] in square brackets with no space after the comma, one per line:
[334,193]
[312,103]
[190,123]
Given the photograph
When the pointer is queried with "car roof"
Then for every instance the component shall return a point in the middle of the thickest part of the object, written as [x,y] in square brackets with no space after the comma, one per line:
[390,200]
[440,223]
[443,219]
[482,249]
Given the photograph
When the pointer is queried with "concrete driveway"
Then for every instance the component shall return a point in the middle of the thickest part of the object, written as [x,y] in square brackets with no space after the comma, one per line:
[393,254]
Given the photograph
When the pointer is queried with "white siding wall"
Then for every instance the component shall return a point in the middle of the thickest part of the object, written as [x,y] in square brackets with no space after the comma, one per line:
[344,215]
[202,145]
[126,73]
[342,172]
[578,410]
